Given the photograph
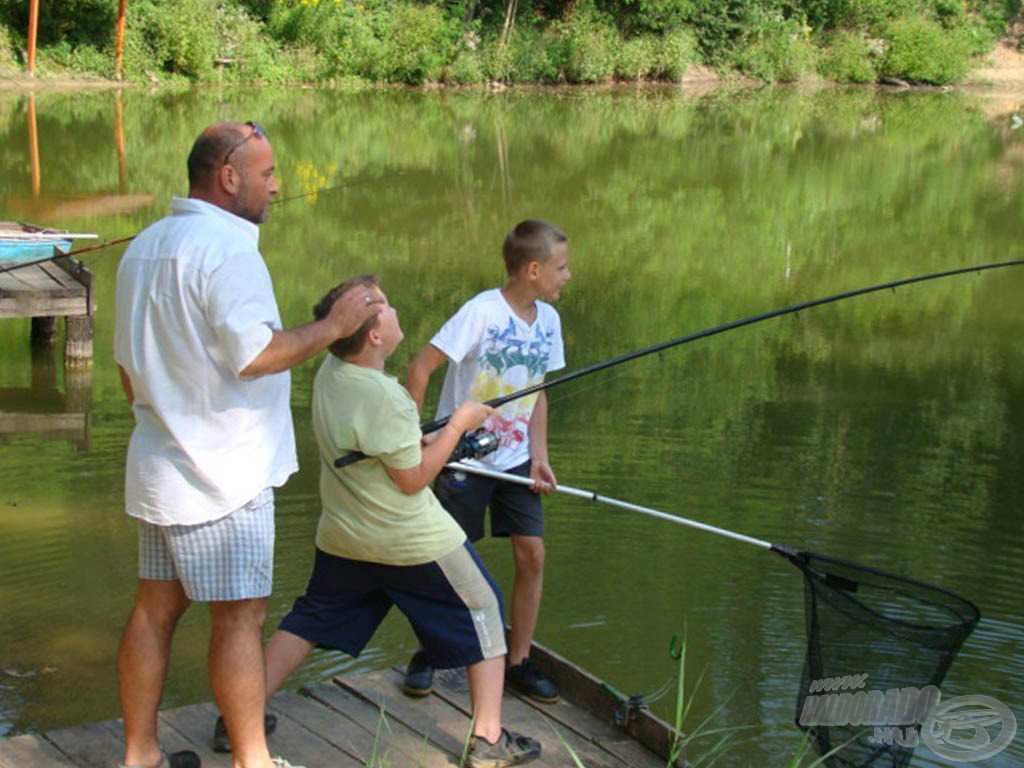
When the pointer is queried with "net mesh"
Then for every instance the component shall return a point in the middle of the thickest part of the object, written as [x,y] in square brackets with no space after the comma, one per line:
[875,643]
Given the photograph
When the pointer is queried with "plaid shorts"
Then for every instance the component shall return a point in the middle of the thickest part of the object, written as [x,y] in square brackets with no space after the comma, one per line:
[231,558]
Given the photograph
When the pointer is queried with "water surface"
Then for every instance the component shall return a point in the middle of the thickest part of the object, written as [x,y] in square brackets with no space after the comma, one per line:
[883,429]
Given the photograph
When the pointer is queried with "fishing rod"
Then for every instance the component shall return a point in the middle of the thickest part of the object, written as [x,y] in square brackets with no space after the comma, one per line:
[351,183]
[349,458]
[58,253]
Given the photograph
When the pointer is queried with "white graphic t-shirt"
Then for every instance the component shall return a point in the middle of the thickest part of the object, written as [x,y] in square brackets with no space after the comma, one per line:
[492,352]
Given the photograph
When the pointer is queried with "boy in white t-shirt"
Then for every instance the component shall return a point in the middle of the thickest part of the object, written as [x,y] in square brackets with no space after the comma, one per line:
[502,341]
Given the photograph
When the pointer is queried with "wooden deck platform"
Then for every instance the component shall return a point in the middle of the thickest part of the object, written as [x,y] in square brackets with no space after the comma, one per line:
[366,720]
[61,287]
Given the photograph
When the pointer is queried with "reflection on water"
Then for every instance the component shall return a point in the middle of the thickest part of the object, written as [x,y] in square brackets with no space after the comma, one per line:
[882,429]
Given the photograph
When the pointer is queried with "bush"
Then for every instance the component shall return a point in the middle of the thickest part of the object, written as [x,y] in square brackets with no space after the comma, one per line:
[921,51]
[590,45]
[8,62]
[847,59]
[776,50]
[467,69]
[637,59]
[175,36]
[530,56]
[387,42]
[678,52]
[246,53]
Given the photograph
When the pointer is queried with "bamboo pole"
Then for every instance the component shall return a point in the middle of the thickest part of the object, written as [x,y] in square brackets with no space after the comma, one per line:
[122,8]
[33,28]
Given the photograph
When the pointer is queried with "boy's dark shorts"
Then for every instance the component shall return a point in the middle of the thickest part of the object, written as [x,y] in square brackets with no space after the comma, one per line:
[515,509]
[453,604]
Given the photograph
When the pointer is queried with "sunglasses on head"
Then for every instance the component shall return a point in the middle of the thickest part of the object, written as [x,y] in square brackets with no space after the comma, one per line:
[257,131]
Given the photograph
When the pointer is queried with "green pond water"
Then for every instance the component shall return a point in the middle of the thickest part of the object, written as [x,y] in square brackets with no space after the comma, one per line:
[884,429]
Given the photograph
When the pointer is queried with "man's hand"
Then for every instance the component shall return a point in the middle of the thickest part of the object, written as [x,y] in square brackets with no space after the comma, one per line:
[353,309]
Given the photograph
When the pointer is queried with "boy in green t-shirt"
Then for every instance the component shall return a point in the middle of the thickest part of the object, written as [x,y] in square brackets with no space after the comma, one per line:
[383,539]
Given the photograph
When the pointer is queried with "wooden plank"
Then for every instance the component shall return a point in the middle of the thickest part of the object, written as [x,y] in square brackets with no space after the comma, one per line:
[387,738]
[546,723]
[194,724]
[430,716]
[575,725]
[30,751]
[93,745]
[35,305]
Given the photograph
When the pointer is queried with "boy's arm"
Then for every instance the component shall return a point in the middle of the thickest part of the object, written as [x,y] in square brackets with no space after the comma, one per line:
[429,359]
[467,416]
[540,469]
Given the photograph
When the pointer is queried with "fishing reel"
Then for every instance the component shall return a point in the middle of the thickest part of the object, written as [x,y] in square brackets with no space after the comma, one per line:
[475,445]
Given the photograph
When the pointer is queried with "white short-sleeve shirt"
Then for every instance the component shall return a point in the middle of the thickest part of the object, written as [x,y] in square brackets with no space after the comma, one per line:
[195,305]
[493,352]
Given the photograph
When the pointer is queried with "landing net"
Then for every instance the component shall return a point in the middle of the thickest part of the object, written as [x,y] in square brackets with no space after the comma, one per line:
[878,646]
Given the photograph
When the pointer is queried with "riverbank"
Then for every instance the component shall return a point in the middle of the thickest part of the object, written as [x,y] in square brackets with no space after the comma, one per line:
[1000,75]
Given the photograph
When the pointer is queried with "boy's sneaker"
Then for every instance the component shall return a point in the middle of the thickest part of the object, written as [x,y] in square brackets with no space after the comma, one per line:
[221,742]
[510,749]
[183,759]
[419,676]
[528,680]
[280,762]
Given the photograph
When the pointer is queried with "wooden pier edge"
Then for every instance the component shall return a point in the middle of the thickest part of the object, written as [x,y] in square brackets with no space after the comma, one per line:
[590,694]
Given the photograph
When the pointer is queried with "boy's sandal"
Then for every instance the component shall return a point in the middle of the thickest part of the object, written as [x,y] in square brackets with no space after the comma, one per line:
[183,759]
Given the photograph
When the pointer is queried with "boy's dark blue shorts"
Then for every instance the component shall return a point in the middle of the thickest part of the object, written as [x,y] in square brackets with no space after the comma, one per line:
[515,509]
[453,604]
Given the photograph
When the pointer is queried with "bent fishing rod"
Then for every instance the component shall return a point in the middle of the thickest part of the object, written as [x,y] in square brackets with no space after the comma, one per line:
[349,458]
[58,253]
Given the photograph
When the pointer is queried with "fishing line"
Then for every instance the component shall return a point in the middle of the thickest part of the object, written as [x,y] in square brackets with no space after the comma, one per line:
[895,636]
[432,426]
[352,183]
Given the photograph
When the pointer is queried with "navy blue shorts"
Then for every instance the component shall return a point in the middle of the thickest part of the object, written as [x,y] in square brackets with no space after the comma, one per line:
[515,509]
[453,604]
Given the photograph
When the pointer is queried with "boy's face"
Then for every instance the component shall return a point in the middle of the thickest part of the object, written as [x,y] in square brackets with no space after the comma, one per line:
[552,274]
[389,330]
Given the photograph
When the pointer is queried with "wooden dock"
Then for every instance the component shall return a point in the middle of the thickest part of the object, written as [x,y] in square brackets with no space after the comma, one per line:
[366,720]
[59,287]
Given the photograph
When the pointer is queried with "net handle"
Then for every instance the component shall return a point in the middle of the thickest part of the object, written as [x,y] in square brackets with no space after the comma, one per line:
[590,495]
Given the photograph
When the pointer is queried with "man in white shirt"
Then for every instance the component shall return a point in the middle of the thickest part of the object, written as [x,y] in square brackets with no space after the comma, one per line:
[204,361]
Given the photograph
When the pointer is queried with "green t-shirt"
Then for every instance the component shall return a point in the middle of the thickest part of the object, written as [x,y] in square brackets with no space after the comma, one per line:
[365,516]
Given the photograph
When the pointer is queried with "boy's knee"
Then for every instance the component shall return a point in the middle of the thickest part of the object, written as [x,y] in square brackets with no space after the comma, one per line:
[529,553]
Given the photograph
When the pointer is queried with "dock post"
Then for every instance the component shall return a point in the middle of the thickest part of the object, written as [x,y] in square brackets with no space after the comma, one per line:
[43,330]
[78,331]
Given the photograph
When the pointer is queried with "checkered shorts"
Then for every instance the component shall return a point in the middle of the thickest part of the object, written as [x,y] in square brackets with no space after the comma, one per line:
[231,558]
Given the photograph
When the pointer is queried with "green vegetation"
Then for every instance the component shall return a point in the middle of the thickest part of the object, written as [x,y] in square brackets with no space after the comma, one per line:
[467,42]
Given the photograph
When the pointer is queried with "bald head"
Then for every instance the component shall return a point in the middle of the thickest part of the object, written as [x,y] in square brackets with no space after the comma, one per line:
[209,150]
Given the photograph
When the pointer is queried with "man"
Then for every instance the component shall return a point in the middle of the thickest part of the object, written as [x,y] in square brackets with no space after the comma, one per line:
[204,361]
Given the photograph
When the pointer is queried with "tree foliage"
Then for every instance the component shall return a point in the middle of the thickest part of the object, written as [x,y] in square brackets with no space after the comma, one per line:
[515,41]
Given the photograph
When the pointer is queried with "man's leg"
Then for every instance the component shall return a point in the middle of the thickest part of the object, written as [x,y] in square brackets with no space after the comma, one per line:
[527,588]
[142,660]
[238,676]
